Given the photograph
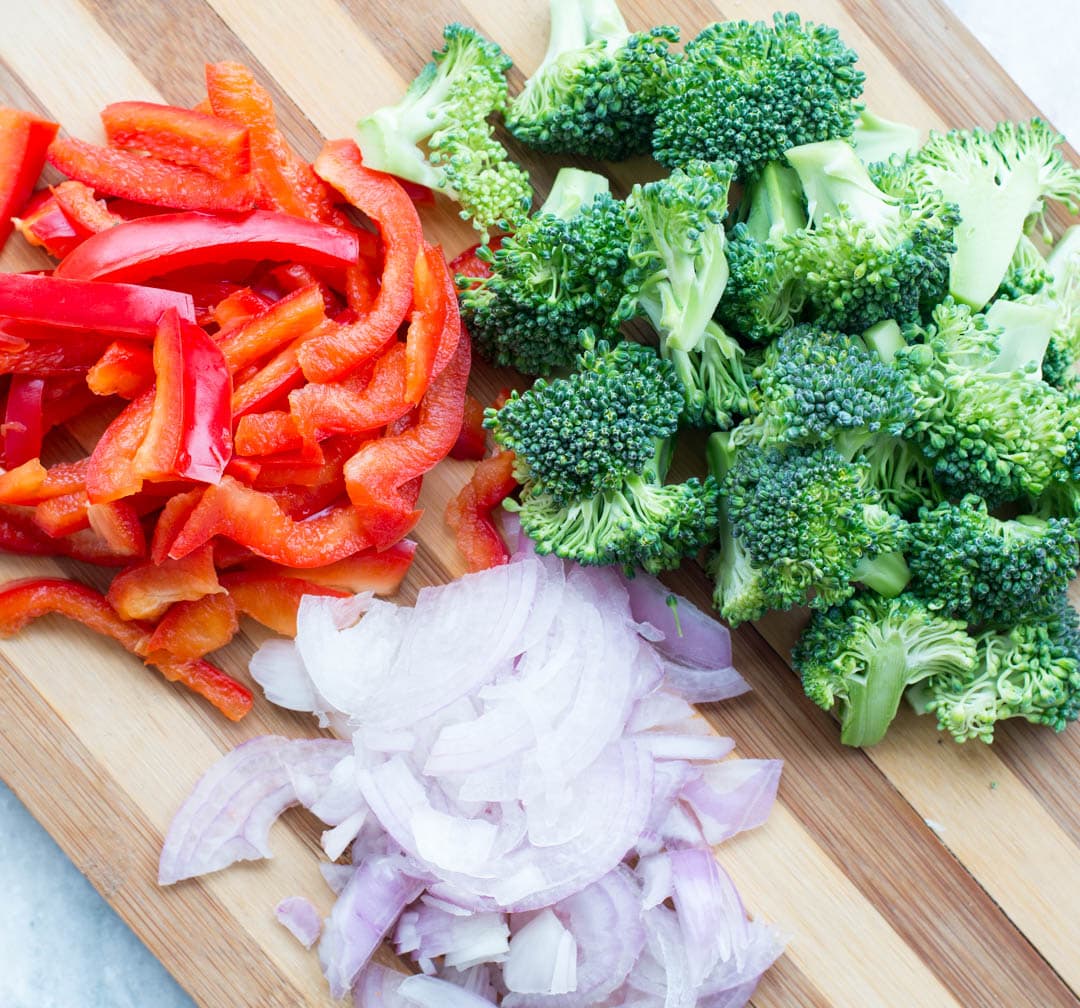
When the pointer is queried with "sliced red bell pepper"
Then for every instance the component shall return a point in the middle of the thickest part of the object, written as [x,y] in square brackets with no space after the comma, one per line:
[26,600]
[83,208]
[24,421]
[375,474]
[285,181]
[335,354]
[369,570]
[469,514]
[271,599]
[280,472]
[255,520]
[111,473]
[172,519]
[179,135]
[64,514]
[189,630]
[119,526]
[435,326]
[189,435]
[361,288]
[24,140]
[31,483]
[145,590]
[471,443]
[43,223]
[19,534]
[154,246]
[149,180]
[66,397]
[43,358]
[237,307]
[356,404]
[282,322]
[82,306]
[125,369]
[267,434]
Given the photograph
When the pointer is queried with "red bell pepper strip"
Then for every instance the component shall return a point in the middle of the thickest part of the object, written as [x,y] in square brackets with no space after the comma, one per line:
[148,180]
[334,354]
[237,307]
[24,422]
[43,223]
[26,600]
[189,630]
[173,516]
[64,514]
[369,570]
[153,246]
[111,473]
[361,288]
[145,590]
[282,322]
[279,472]
[469,514]
[19,534]
[375,474]
[471,443]
[435,326]
[255,520]
[125,369]
[189,435]
[24,140]
[285,181]
[83,208]
[118,524]
[179,135]
[66,397]
[47,357]
[271,599]
[267,434]
[82,306]
[356,404]
[31,483]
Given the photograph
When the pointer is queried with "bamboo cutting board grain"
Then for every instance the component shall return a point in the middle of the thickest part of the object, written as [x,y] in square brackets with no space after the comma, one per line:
[919,874]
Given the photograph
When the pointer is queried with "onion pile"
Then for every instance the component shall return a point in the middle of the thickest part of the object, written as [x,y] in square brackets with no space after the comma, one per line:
[527,797]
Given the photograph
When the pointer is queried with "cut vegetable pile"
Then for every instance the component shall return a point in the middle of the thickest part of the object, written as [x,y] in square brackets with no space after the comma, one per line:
[533,819]
[270,427]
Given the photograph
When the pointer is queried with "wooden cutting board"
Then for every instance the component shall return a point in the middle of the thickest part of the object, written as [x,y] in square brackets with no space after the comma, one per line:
[919,874]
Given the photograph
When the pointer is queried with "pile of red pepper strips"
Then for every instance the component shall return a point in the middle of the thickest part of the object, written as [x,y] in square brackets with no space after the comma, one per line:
[281,377]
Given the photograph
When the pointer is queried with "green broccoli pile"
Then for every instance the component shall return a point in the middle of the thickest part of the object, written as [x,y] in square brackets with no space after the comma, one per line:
[875,336]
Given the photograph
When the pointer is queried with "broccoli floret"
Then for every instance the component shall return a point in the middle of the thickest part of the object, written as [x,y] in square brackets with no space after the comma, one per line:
[748,91]
[1027,272]
[445,110]
[592,452]
[864,653]
[970,565]
[561,273]
[760,300]
[1061,362]
[866,256]
[1000,435]
[597,89]
[877,139]
[817,386]
[1031,671]
[1000,181]
[799,526]
[678,270]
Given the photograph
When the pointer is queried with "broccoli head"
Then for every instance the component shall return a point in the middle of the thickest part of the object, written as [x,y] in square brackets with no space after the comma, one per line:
[761,300]
[445,111]
[798,526]
[561,273]
[748,91]
[1002,435]
[1000,180]
[866,256]
[860,656]
[1031,671]
[596,91]
[678,270]
[985,570]
[592,452]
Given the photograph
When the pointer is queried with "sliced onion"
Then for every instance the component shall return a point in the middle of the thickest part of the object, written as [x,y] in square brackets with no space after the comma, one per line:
[301,917]
[430,992]
[543,957]
[733,796]
[228,816]
[364,913]
[461,940]
[278,668]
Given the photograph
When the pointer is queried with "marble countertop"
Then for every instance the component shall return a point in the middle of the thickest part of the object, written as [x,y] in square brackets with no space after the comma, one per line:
[62,945]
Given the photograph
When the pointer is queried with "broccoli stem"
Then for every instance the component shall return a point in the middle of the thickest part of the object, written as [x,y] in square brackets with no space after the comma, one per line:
[777,207]
[886,573]
[874,699]
[1026,331]
[1067,246]
[573,189]
[568,33]
[833,176]
[605,22]
[878,139]
[885,339]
